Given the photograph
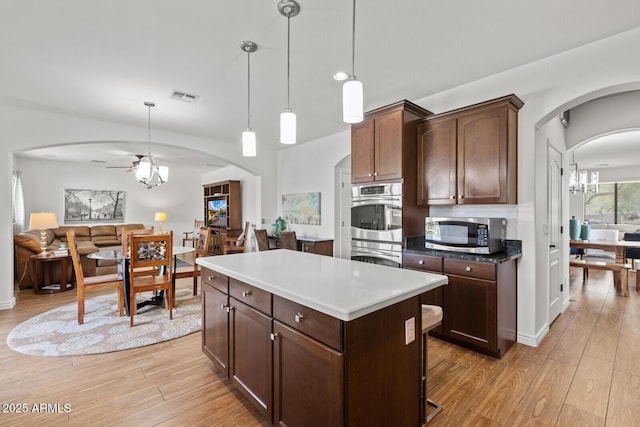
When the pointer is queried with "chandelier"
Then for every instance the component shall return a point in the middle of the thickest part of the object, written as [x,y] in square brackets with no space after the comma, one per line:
[148,172]
[579,179]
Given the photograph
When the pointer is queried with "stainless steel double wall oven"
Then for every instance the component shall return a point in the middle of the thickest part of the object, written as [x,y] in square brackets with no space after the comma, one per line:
[376,223]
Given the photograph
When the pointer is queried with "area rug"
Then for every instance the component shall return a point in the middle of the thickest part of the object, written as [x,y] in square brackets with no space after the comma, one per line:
[57,333]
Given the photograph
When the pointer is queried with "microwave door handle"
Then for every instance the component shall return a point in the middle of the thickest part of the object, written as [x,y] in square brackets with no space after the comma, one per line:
[369,200]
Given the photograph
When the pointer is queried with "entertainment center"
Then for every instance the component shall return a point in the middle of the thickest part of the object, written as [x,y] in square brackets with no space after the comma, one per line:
[223,207]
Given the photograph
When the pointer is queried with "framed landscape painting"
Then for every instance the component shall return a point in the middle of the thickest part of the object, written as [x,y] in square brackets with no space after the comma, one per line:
[89,206]
[301,208]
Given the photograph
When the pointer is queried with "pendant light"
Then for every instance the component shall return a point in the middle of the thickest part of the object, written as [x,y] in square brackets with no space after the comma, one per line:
[148,173]
[352,98]
[248,136]
[288,8]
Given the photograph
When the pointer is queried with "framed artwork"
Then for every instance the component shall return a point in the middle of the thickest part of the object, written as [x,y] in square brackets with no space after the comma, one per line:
[88,206]
[301,208]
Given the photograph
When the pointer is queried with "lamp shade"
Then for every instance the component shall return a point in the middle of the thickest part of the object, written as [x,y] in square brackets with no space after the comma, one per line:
[248,143]
[160,216]
[143,171]
[163,172]
[288,127]
[352,101]
[43,221]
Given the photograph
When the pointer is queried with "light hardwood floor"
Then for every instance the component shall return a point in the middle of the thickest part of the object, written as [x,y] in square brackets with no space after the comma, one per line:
[585,372]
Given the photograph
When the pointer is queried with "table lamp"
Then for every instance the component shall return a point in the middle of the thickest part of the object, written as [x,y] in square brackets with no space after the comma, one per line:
[42,221]
[160,217]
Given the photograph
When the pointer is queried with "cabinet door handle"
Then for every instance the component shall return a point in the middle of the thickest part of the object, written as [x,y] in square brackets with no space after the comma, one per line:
[226,307]
[298,317]
[369,174]
[211,278]
[452,197]
[247,293]
[421,262]
[461,196]
[274,336]
[467,268]
[375,174]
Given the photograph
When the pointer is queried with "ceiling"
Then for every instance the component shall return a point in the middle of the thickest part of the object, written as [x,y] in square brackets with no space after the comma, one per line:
[103,59]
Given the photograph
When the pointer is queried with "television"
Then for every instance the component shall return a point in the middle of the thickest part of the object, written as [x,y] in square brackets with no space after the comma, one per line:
[218,205]
[217,213]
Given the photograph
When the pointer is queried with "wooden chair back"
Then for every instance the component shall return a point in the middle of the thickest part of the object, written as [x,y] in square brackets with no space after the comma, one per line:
[288,240]
[150,252]
[83,284]
[262,239]
[193,235]
[231,245]
[204,239]
[126,235]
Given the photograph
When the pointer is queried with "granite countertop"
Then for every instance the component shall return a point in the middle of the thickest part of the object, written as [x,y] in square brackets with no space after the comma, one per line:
[338,287]
[514,250]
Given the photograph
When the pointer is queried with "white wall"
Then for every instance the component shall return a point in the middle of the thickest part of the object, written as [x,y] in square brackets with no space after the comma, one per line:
[44,183]
[310,168]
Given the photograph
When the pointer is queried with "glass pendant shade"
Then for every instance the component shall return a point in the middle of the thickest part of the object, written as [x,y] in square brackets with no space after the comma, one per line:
[163,172]
[248,143]
[288,127]
[352,101]
[143,171]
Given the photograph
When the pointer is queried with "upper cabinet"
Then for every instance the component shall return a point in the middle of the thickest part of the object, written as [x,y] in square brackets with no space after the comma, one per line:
[381,144]
[469,155]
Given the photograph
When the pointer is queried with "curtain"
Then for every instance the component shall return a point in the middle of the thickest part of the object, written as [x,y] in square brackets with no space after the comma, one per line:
[18,203]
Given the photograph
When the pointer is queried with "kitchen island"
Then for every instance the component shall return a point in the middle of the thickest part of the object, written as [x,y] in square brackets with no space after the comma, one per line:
[314,340]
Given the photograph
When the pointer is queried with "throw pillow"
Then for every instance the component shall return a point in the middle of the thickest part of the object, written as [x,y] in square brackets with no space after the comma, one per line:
[240,239]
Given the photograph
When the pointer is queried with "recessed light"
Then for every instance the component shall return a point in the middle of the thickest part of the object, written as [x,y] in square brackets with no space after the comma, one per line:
[340,76]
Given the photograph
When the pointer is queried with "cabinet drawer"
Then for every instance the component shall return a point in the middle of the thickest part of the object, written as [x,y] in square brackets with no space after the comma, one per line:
[215,279]
[250,295]
[478,270]
[422,262]
[320,326]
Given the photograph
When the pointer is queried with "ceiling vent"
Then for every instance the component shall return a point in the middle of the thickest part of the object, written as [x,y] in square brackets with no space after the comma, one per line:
[183,96]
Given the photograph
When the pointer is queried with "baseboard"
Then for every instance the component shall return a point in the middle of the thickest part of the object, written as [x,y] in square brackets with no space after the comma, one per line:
[534,340]
[8,305]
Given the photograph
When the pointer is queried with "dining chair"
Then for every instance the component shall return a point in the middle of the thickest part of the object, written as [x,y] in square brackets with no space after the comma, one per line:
[288,240]
[236,245]
[84,284]
[202,250]
[155,252]
[262,239]
[192,236]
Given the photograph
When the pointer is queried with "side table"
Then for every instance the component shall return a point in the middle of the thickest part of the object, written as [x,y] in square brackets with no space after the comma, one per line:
[48,262]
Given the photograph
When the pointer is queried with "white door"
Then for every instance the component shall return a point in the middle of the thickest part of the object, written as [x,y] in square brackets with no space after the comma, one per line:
[554,179]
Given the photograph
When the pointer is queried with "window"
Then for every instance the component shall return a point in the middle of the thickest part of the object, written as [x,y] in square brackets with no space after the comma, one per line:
[615,203]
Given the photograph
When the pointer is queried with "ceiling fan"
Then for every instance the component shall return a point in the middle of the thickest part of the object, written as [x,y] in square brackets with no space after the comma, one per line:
[133,166]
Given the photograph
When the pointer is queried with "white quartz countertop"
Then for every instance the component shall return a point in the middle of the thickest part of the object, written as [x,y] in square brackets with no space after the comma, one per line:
[341,288]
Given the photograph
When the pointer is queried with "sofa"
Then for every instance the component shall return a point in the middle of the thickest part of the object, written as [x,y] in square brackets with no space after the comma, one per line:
[89,239]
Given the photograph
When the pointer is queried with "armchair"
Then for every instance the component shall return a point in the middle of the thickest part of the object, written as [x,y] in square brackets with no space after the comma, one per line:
[231,245]
[192,236]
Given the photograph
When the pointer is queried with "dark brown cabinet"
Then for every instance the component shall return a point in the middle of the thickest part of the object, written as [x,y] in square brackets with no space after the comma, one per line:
[478,304]
[469,155]
[215,319]
[382,142]
[223,207]
[308,380]
[250,364]
[319,247]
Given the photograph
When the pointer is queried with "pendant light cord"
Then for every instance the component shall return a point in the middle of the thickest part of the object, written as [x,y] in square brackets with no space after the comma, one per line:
[288,60]
[353,41]
[248,90]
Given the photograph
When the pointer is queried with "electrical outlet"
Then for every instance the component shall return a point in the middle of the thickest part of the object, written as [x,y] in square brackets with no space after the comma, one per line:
[409,330]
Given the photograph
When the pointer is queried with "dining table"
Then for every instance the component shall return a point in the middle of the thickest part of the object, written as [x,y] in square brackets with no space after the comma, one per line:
[123,272]
[610,246]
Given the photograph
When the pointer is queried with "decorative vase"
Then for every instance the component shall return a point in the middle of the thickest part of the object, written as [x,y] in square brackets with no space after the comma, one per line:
[585,231]
[280,225]
[574,228]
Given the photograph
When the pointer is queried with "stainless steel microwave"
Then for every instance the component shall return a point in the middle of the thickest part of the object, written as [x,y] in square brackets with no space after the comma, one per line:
[473,235]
